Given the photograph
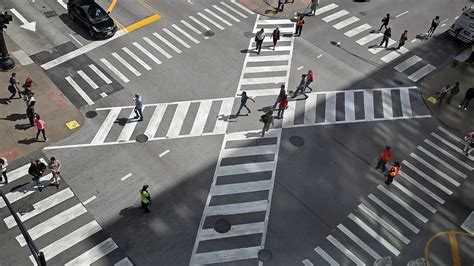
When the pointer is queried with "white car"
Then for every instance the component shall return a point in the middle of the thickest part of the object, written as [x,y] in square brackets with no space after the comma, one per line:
[463,27]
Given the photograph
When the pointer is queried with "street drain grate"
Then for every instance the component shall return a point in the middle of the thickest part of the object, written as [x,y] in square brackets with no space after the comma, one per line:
[91,114]
[264,255]
[106,88]
[209,33]
[222,226]
[297,141]
[141,138]
[248,34]
[50,14]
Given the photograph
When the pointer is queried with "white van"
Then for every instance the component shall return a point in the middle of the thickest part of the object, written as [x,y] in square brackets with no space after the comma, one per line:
[463,27]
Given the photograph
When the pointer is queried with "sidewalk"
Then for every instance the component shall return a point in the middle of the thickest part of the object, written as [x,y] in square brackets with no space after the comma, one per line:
[17,138]
[268,7]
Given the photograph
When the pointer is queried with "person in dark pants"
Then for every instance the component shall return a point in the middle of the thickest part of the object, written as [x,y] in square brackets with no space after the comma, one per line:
[301,87]
[443,94]
[280,95]
[403,39]
[467,98]
[385,22]
[259,37]
[145,198]
[3,169]
[434,25]
[386,36]
[392,172]
[138,107]
[275,37]
[282,106]
[454,90]
[30,113]
[40,126]
[267,120]
[37,169]
[385,156]
[243,102]
[281,5]
[299,25]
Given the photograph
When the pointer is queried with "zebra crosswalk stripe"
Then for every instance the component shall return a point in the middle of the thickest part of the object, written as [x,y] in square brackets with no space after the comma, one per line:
[444,163]
[172,35]
[87,79]
[158,48]
[235,230]
[226,13]
[428,178]
[357,30]
[415,197]
[165,41]
[136,58]
[126,64]
[242,7]
[345,251]
[336,15]
[106,126]
[199,23]
[435,170]
[100,74]
[79,90]
[346,23]
[113,69]
[359,242]
[178,119]
[94,254]
[421,187]
[155,120]
[24,191]
[325,8]
[128,128]
[420,73]
[185,34]
[403,204]
[234,10]
[201,117]
[447,154]
[147,53]
[407,63]
[210,21]
[326,256]
[394,214]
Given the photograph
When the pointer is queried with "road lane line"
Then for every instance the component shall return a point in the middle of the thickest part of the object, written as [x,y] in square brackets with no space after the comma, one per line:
[201,117]
[394,214]
[345,251]
[178,119]
[126,64]
[89,200]
[429,179]
[79,90]
[136,58]
[415,197]
[106,125]
[185,44]
[435,170]
[125,177]
[422,188]
[357,30]
[403,204]
[165,41]
[100,74]
[401,14]
[87,79]
[326,256]
[185,33]
[359,242]
[94,254]
[158,48]
[163,153]
[116,71]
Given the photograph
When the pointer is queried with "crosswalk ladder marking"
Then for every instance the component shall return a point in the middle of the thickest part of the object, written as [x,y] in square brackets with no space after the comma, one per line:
[234,10]
[243,7]
[435,170]
[245,168]
[444,163]
[326,256]
[307,262]
[24,191]
[106,126]
[330,112]
[235,230]
[336,15]
[128,128]
[136,58]
[172,35]
[429,179]
[349,107]
[94,254]
[224,114]
[274,80]
[403,204]
[288,116]
[20,172]
[201,117]
[387,104]
[225,255]
[113,69]
[100,74]
[158,48]
[357,30]
[210,21]
[126,64]
[415,197]
[264,58]
[345,23]
[452,157]
[199,23]
[165,41]
[325,8]
[310,111]
[407,63]
[87,79]
[368,38]
[420,73]
[368,105]
[178,119]
[422,188]
[359,242]
[241,187]
[249,151]
[237,208]
[155,120]
[185,33]
[191,27]
[226,13]
[79,90]
[345,251]
[394,214]
[405,102]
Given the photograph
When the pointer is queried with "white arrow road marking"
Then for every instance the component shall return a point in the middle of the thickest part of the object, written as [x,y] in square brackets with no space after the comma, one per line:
[26,25]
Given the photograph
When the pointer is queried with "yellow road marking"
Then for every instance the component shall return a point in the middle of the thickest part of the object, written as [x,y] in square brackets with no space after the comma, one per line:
[112,5]
[146,5]
[142,23]
[455,249]
[454,245]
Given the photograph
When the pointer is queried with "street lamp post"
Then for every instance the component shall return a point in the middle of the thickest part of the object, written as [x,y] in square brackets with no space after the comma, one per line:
[7,62]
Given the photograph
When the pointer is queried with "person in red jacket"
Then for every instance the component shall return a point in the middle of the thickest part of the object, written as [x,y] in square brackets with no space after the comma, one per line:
[299,25]
[282,106]
[392,172]
[385,156]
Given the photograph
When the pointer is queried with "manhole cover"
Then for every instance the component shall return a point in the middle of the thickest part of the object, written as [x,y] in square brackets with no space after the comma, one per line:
[106,88]
[398,82]
[362,13]
[297,141]
[209,33]
[248,34]
[264,255]
[222,226]
[50,14]
[91,114]
[25,208]
[141,138]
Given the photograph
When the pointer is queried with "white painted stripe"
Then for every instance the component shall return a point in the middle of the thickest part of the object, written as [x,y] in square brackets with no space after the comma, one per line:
[94,254]
[394,214]
[41,206]
[387,104]
[199,23]
[451,145]
[420,73]
[154,45]
[310,111]
[235,230]
[299,68]
[20,171]
[176,38]
[429,179]
[407,63]
[357,30]
[326,256]
[444,163]
[124,262]
[226,13]
[415,197]
[435,170]
[201,117]
[447,154]
[79,90]
[330,113]
[260,69]
[106,125]
[421,187]
[403,50]
[368,38]
[385,224]
[136,58]
[369,105]
[191,27]
[125,177]
[53,223]
[403,204]
[237,208]
[269,31]
[377,49]
[69,240]
[22,57]
[24,191]
[264,58]
[346,22]
[451,135]
[274,80]
[210,21]
[289,115]
[249,151]
[185,34]
[349,107]
[245,168]
[265,92]
[163,153]
[390,57]
[272,133]
[155,120]
[241,187]
[307,262]
[225,255]
[129,127]
[116,71]
[89,200]
[277,22]
[269,41]
[100,74]
[87,79]
[371,232]
[335,15]
[405,102]
[325,8]
[165,41]
[234,10]
[178,119]
[224,112]
[359,242]
[243,7]
[103,94]
[344,250]
[401,14]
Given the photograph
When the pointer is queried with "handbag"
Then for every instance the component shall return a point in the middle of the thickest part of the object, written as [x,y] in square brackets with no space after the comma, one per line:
[11,89]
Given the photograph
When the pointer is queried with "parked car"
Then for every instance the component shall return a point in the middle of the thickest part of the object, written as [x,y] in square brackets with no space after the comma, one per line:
[463,27]
[90,15]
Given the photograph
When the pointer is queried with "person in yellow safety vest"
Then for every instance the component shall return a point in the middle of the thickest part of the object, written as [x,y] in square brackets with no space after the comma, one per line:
[392,172]
[145,198]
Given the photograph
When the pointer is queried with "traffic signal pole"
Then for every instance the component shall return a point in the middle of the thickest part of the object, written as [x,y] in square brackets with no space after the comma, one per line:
[7,62]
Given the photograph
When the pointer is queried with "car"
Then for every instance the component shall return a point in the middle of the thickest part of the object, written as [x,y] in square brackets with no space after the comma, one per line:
[93,17]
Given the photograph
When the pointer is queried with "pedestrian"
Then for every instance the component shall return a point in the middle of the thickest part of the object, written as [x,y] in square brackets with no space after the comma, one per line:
[385,22]
[275,37]
[454,90]
[259,37]
[281,5]
[280,95]
[434,25]
[37,169]
[30,113]
[469,138]
[283,104]
[40,126]
[299,25]
[243,102]
[443,94]
[386,36]
[467,98]
[385,156]
[403,39]
[55,167]
[309,80]
[138,107]
[3,169]
[266,119]
[29,98]
[145,198]
[14,83]
[301,87]
[314,5]
[392,172]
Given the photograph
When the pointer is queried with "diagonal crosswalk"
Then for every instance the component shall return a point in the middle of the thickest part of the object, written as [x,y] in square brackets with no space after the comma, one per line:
[400,209]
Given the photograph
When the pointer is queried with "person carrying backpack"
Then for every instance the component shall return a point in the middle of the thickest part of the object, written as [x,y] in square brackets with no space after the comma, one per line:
[37,169]
[266,119]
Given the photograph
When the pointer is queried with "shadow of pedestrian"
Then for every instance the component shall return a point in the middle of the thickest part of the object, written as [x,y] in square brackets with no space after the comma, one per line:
[266,108]
[121,121]
[252,134]
[27,141]
[15,117]
[248,51]
[226,118]
[131,211]
[18,186]
[23,126]
[288,35]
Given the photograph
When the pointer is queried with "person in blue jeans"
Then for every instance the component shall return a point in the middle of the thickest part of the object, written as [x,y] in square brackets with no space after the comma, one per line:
[138,107]
[243,102]
[301,87]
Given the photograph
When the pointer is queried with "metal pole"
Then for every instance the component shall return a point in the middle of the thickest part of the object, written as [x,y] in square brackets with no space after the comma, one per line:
[7,62]
[39,256]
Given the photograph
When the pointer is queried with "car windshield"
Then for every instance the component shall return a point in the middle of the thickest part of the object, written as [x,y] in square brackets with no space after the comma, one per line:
[96,13]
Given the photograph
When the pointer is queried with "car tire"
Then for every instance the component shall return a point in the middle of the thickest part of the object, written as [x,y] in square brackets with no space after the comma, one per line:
[91,33]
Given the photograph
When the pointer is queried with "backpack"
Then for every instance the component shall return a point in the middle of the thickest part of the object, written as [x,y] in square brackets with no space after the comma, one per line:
[11,89]
[311,76]
[42,168]
[264,119]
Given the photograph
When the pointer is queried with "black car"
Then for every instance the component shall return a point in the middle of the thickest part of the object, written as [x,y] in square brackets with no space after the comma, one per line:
[93,17]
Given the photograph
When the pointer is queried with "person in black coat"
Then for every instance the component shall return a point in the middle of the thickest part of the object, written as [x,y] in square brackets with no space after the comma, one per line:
[386,36]
[30,113]
[37,169]
[467,98]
